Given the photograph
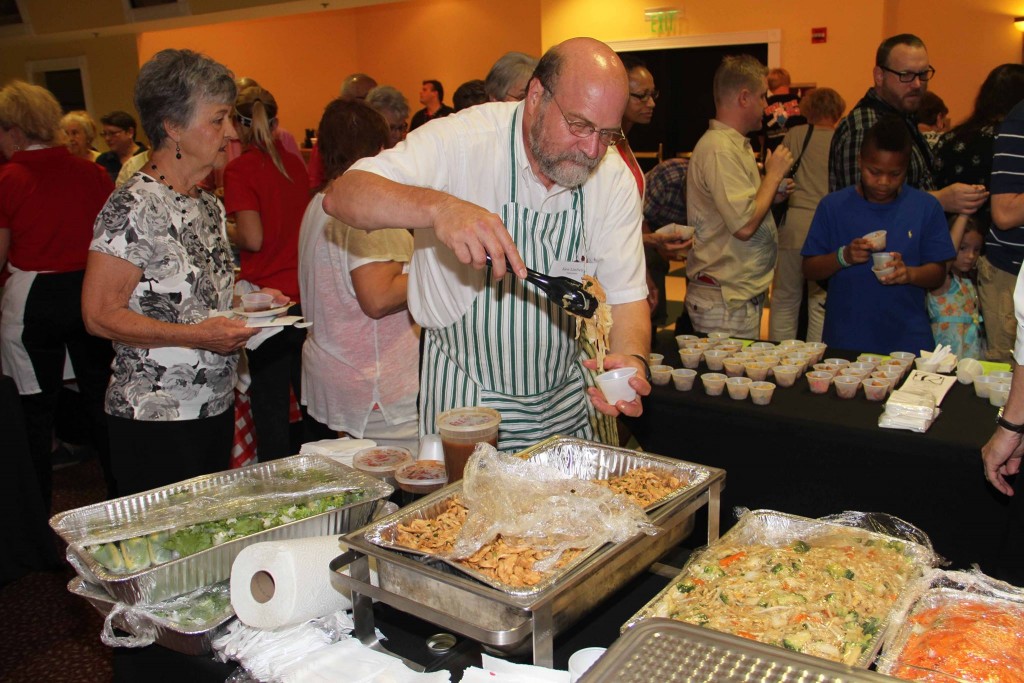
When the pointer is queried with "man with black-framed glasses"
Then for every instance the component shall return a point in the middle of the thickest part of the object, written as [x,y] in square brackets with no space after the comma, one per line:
[901,75]
[529,181]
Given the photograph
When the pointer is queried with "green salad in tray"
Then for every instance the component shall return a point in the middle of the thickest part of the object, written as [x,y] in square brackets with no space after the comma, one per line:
[141,552]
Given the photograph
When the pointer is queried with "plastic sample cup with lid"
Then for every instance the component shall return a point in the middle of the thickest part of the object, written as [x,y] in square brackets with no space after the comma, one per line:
[785,375]
[461,430]
[614,384]
[819,381]
[683,378]
[690,357]
[738,387]
[761,393]
[256,301]
[661,374]
[877,240]
[421,476]
[847,385]
[381,461]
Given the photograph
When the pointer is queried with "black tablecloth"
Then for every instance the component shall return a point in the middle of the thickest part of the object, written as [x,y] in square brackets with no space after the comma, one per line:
[813,455]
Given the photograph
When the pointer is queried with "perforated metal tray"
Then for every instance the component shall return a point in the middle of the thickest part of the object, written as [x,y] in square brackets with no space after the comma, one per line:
[669,651]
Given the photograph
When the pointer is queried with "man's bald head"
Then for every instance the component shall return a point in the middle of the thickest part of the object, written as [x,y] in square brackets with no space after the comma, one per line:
[588,63]
[355,86]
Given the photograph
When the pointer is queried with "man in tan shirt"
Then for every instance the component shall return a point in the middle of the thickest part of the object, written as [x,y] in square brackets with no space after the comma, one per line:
[735,245]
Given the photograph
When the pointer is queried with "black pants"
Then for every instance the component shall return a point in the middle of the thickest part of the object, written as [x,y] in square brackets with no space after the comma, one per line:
[53,328]
[148,454]
[275,367]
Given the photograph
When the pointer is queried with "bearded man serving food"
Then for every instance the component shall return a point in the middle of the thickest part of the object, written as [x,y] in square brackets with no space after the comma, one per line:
[528,181]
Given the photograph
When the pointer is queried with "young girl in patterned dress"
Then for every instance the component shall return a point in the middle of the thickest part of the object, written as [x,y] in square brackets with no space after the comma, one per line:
[954,308]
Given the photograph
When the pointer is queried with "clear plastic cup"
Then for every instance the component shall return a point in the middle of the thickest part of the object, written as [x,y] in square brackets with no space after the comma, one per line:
[889,376]
[983,386]
[875,389]
[462,429]
[756,370]
[999,394]
[881,258]
[926,365]
[772,359]
[690,357]
[661,374]
[869,358]
[795,363]
[761,393]
[714,383]
[1001,375]
[877,240]
[825,367]
[614,384]
[818,348]
[655,358]
[683,378]
[738,387]
[846,385]
[866,367]
[682,339]
[902,355]
[718,336]
[762,346]
[581,660]
[257,301]
[733,366]
[819,381]
[785,375]
[969,369]
[715,359]
[841,362]
[859,373]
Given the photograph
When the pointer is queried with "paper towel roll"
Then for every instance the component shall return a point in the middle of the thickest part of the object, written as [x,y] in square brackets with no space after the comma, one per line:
[283,583]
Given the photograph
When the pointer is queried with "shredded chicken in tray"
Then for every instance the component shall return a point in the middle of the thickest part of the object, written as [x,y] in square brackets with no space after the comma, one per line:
[596,330]
[508,560]
[827,598]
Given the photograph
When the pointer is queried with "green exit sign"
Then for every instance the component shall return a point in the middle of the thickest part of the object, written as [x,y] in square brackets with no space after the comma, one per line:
[663,20]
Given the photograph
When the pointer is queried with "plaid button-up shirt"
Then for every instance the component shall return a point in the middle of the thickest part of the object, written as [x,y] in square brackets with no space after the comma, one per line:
[844,156]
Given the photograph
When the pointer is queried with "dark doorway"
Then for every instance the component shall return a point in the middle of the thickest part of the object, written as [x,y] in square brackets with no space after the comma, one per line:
[684,76]
[66,86]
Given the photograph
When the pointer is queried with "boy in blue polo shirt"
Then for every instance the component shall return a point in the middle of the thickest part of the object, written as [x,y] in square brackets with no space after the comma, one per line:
[863,312]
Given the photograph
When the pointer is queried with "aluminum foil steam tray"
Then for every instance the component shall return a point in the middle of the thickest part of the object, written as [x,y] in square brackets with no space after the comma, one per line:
[129,516]
[195,640]
[669,651]
[767,527]
[577,457]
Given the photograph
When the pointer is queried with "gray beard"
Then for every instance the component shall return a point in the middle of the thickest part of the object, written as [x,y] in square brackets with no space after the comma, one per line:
[569,169]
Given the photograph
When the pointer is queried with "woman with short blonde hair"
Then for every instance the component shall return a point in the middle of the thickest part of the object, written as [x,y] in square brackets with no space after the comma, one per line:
[79,132]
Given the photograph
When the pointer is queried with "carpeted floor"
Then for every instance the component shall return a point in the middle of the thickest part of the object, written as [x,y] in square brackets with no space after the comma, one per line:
[50,635]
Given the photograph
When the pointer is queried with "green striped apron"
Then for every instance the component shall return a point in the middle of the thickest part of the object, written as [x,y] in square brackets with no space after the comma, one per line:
[514,349]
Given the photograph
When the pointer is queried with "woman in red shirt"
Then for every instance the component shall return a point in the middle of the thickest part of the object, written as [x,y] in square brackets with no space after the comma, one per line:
[49,200]
[266,190]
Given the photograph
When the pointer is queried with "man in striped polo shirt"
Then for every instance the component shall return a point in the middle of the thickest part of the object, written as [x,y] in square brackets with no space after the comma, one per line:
[1004,244]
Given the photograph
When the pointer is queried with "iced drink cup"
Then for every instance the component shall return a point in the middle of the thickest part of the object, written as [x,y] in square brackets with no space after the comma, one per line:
[461,430]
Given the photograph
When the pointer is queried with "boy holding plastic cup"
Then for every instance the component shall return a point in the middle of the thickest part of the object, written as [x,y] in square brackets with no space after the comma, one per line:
[868,311]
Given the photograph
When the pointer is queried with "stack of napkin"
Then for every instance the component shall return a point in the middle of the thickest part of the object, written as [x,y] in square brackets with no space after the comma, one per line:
[909,410]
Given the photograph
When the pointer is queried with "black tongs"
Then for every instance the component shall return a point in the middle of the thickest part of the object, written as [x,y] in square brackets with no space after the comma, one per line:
[564,291]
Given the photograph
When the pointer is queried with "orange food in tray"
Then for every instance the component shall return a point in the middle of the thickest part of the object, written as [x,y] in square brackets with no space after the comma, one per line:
[965,640]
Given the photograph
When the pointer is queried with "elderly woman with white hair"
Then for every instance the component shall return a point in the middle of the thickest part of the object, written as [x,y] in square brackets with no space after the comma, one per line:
[79,132]
[508,78]
[392,105]
[160,265]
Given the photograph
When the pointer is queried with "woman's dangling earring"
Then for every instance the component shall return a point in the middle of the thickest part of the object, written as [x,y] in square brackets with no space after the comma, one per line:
[177,150]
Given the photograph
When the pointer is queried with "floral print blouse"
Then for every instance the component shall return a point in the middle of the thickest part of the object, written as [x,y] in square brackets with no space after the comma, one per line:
[181,247]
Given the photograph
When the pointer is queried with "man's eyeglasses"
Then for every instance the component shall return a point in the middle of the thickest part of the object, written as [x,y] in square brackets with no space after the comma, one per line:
[642,96]
[106,133]
[909,76]
[582,129]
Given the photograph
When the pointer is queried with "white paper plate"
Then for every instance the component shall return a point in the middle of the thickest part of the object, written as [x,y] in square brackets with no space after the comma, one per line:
[270,312]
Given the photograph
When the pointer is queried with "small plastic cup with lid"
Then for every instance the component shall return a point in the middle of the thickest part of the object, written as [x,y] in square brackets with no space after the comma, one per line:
[969,369]
[756,370]
[682,339]
[983,385]
[785,375]
[421,476]
[257,301]
[715,359]
[381,461]
[875,389]
[999,394]
[690,357]
[655,358]
[733,366]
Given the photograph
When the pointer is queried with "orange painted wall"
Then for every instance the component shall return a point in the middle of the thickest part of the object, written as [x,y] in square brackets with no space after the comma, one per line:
[302,58]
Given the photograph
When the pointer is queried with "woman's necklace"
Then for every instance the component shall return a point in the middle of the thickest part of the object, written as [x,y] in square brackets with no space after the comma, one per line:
[163,179]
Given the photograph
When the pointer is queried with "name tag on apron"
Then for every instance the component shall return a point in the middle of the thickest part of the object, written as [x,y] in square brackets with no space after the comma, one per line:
[571,269]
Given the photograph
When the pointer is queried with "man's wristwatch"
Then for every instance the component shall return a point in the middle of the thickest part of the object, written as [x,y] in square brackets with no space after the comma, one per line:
[1006,424]
[647,368]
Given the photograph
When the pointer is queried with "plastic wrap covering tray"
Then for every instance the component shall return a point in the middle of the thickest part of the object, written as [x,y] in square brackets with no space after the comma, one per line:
[769,529]
[187,640]
[669,651]
[434,591]
[207,498]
